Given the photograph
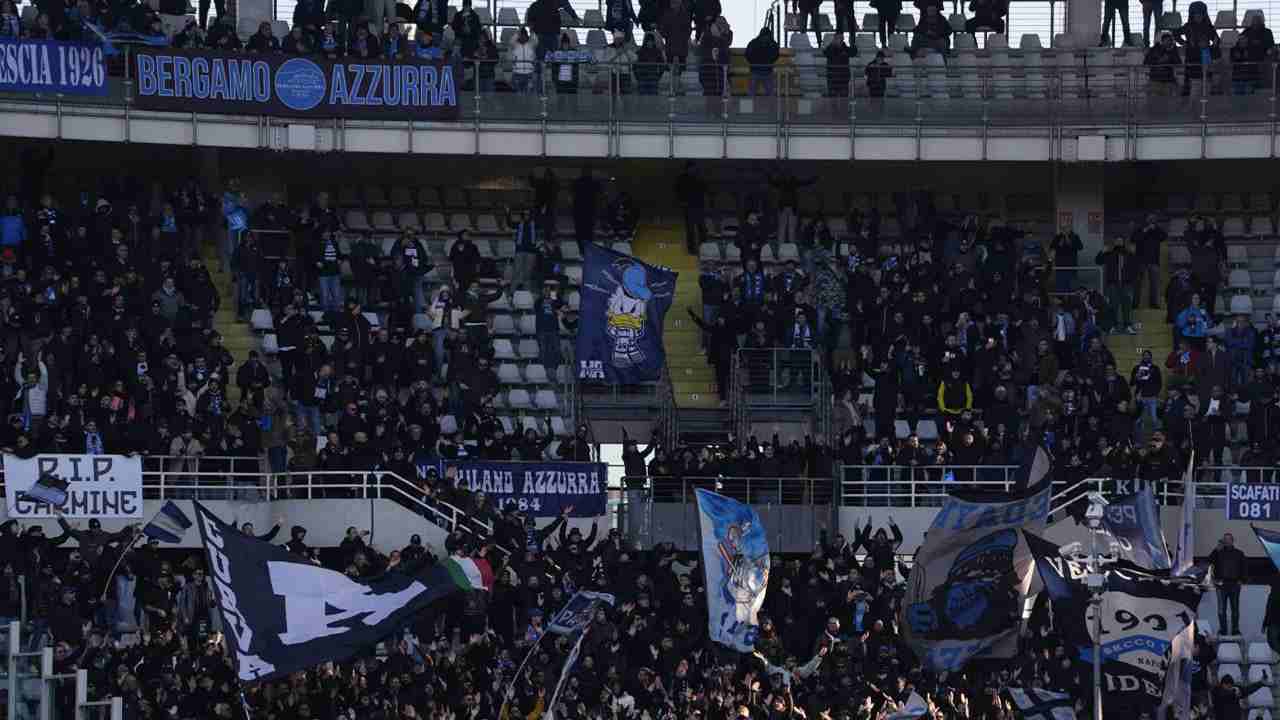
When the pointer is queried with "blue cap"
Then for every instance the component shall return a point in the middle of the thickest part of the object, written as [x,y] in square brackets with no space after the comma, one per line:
[634,281]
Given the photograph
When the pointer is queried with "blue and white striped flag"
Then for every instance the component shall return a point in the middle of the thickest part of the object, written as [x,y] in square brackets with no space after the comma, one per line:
[1036,704]
[49,489]
[169,525]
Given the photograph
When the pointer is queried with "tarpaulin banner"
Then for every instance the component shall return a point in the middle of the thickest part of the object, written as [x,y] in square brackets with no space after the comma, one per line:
[620,319]
[194,81]
[50,66]
[735,555]
[96,486]
[540,489]
[965,594]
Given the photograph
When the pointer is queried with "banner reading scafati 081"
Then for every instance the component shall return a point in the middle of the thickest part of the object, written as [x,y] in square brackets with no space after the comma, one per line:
[195,81]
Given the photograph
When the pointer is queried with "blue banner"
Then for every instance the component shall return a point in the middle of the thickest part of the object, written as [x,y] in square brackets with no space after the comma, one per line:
[50,66]
[624,302]
[1134,522]
[735,554]
[540,489]
[577,614]
[1252,501]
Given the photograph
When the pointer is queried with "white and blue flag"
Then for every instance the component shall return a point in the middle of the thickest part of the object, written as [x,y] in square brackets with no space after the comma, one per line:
[1037,704]
[735,555]
[169,525]
[576,614]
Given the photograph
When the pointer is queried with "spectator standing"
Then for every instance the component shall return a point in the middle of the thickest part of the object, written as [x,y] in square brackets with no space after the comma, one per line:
[543,18]
[1066,254]
[1109,10]
[787,186]
[673,25]
[327,259]
[525,229]
[1162,60]
[1206,269]
[691,194]
[878,72]
[619,17]
[761,54]
[807,10]
[586,201]
[524,62]
[986,14]
[1117,277]
[838,54]
[888,11]
[1228,572]
[1147,242]
[1241,340]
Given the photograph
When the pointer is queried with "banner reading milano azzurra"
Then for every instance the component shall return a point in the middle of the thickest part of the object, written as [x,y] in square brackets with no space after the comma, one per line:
[169,79]
[735,556]
[620,322]
[965,594]
[50,66]
[540,489]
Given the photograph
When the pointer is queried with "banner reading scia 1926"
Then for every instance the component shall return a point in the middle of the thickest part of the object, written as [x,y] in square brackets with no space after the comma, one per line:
[212,82]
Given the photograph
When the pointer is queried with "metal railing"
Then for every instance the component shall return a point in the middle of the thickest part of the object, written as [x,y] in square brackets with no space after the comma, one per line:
[772,490]
[668,413]
[929,485]
[780,376]
[983,90]
[35,691]
[1080,277]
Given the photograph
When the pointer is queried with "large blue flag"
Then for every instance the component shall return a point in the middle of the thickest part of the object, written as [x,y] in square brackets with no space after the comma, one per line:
[1134,521]
[735,556]
[1270,540]
[620,322]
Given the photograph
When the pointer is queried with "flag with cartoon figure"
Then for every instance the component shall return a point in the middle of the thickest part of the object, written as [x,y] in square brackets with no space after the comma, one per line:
[623,305]
[735,556]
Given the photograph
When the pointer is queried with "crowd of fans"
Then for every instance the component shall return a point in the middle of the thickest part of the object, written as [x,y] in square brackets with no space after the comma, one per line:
[829,644]
[544,53]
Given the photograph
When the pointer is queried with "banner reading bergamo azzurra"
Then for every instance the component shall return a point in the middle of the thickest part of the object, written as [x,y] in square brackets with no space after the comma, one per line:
[620,322]
[735,555]
[170,79]
[49,66]
[540,489]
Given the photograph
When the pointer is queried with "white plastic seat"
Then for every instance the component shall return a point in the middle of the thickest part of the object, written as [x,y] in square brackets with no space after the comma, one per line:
[519,400]
[906,23]
[1030,42]
[1240,280]
[1226,20]
[569,251]
[574,300]
[502,303]
[486,17]
[536,374]
[1237,256]
[871,22]
[709,251]
[448,425]
[799,41]
[522,300]
[560,428]
[1261,673]
[927,430]
[788,251]
[1260,653]
[1241,305]
[528,422]
[356,221]
[528,325]
[1233,227]
[596,39]
[1260,714]
[574,273]
[901,429]
[261,320]
[1171,21]
[545,400]
[592,19]
[383,221]
[1262,698]
[528,349]
[502,349]
[1229,653]
[1249,15]
[509,374]
[435,222]
[766,255]
[503,325]
[1235,671]
[409,220]
[508,426]
[487,223]
[270,344]
[508,16]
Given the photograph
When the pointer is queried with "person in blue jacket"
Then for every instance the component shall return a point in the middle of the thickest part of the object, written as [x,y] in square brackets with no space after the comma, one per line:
[1193,323]
[13,227]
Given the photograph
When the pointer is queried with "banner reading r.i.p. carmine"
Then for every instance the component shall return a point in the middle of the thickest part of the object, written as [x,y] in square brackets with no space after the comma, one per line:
[96,486]
[197,81]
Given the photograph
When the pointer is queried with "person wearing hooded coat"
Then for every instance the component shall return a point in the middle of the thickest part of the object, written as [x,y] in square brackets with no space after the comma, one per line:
[880,547]
[95,540]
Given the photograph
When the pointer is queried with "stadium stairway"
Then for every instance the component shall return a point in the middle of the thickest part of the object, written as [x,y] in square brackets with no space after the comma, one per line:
[662,243]
[237,336]
[1155,334]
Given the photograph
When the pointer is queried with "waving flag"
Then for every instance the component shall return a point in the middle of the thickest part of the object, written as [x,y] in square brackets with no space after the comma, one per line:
[1134,522]
[966,592]
[1270,540]
[624,302]
[283,614]
[735,556]
[169,525]
[576,614]
[49,489]
[1036,704]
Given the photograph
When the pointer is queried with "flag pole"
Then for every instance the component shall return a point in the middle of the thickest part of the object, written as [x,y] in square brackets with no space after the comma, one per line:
[133,541]
[506,698]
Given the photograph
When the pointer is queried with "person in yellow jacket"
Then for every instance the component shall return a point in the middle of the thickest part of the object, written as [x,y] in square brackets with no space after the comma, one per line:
[954,395]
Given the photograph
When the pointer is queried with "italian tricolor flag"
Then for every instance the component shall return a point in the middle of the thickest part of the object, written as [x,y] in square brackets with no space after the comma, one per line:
[469,573]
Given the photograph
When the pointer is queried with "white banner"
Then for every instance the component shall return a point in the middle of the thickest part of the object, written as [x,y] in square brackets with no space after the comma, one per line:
[98,486]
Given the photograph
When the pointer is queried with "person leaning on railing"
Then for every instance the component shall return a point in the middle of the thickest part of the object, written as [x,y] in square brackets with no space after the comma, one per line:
[1162,59]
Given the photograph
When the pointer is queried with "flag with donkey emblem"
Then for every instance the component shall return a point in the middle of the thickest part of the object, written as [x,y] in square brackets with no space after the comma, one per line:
[623,305]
